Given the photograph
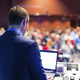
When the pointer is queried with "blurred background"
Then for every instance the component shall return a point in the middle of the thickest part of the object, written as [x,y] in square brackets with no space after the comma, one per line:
[54,25]
[45,13]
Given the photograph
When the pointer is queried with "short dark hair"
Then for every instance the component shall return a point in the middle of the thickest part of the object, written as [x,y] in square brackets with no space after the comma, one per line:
[16,15]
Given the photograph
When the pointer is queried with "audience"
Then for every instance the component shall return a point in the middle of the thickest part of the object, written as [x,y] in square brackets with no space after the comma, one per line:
[64,40]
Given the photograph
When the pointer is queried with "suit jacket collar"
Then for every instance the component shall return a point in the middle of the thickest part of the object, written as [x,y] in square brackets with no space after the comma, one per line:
[11,33]
[16,30]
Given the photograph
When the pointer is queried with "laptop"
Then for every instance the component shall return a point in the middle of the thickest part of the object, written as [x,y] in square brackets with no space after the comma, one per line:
[49,62]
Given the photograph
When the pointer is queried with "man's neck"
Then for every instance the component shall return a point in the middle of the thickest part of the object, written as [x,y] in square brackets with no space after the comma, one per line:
[18,27]
[13,26]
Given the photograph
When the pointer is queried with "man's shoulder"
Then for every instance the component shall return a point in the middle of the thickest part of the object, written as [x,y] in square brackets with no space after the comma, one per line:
[25,40]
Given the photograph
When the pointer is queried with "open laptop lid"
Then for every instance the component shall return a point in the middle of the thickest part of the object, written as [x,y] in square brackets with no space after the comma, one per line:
[49,60]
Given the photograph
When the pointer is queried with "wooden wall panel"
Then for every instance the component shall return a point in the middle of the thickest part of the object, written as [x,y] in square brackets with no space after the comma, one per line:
[4,8]
[44,7]
[49,26]
[50,7]
[48,22]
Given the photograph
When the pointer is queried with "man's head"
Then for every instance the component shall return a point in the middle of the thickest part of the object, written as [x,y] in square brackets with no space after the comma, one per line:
[18,17]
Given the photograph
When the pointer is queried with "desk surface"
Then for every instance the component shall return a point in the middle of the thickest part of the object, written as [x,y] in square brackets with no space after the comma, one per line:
[69,73]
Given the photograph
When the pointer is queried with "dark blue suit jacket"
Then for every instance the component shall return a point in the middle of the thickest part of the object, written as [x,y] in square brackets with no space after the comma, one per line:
[19,58]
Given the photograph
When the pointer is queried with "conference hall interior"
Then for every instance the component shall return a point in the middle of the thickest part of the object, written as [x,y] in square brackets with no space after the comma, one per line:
[55,26]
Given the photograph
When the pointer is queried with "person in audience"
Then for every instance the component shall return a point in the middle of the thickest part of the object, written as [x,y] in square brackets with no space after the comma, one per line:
[19,56]
[66,50]
[39,43]
[56,43]
[77,42]
[47,35]
[50,41]
[66,35]
[0,33]
[2,30]
[44,46]
[74,33]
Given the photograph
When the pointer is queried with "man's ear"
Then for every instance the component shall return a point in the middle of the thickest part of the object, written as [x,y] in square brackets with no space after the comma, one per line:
[24,21]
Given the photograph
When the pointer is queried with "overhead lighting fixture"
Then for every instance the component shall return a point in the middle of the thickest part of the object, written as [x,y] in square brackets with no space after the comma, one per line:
[37,14]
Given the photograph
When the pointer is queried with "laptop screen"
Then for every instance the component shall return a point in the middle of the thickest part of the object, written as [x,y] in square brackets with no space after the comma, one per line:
[49,59]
